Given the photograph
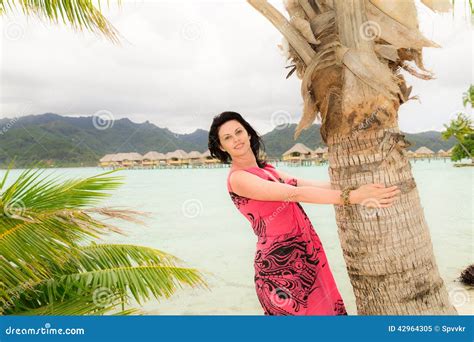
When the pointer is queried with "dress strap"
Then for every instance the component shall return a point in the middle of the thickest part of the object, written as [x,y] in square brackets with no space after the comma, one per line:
[271,169]
[271,175]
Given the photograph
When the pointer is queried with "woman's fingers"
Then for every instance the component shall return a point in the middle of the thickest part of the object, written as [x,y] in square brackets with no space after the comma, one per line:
[388,190]
[381,186]
[388,201]
[391,194]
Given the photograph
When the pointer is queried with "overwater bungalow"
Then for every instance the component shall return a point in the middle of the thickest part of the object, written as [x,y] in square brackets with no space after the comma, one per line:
[195,158]
[177,158]
[153,158]
[424,152]
[443,154]
[208,160]
[107,160]
[130,159]
[320,153]
[299,154]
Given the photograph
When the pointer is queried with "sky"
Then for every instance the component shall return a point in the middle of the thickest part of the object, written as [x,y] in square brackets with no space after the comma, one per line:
[182,62]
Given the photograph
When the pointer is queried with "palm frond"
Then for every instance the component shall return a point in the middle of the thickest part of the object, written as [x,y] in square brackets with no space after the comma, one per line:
[80,14]
[40,245]
[141,282]
[47,193]
[45,268]
[77,305]
[106,256]
[107,274]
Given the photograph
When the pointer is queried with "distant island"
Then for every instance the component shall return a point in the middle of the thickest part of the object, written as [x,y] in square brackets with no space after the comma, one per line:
[52,140]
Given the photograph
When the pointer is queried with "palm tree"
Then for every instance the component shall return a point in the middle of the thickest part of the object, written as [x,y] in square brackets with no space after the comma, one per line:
[50,264]
[461,128]
[349,55]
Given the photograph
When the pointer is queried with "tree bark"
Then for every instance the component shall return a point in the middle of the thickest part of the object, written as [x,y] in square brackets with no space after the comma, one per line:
[388,251]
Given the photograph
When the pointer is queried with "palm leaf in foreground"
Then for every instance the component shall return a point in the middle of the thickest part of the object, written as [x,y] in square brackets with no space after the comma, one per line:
[80,14]
[48,264]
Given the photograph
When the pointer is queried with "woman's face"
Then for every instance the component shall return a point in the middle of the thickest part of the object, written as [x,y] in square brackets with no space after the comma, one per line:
[234,139]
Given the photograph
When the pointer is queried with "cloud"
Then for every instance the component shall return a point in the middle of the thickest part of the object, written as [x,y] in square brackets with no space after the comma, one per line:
[182,62]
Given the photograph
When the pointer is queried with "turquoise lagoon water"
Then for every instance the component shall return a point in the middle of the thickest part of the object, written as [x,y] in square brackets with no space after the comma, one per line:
[192,217]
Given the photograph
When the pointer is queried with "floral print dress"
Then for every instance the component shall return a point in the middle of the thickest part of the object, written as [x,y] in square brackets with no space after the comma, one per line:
[292,274]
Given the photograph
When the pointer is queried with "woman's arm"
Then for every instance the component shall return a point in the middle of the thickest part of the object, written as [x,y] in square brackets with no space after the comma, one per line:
[251,186]
[305,182]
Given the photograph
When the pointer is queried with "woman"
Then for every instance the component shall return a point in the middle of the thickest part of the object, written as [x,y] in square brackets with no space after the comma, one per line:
[292,274]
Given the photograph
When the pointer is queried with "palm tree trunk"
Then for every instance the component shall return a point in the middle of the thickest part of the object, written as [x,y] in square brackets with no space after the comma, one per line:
[388,251]
[353,84]
[467,151]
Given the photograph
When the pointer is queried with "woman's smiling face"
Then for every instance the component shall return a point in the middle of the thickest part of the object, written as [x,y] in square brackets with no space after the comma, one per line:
[233,138]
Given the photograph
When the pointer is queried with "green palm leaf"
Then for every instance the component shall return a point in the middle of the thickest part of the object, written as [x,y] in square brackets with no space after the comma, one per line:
[39,222]
[80,14]
[102,256]
[45,266]
[141,281]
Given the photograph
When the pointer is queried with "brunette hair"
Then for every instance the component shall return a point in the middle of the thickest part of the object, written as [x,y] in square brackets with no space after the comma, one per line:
[256,142]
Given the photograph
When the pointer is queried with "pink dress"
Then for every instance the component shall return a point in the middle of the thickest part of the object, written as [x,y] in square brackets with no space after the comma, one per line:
[292,274]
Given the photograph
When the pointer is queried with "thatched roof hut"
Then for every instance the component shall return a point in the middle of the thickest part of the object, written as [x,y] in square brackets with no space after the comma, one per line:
[178,154]
[424,151]
[195,158]
[320,152]
[298,153]
[132,156]
[298,148]
[177,157]
[153,158]
[442,153]
[194,155]
[107,158]
[208,159]
[127,159]
[153,155]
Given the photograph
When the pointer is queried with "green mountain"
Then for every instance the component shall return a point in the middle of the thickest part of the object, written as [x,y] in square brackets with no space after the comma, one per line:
[281,139]
[54,140]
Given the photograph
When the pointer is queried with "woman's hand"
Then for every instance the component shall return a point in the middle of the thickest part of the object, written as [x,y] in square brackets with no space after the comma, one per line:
[374,195]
